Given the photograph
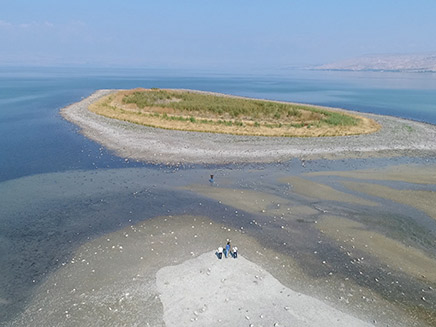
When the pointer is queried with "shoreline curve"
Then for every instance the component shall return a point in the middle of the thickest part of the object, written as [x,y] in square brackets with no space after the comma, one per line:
[397,137]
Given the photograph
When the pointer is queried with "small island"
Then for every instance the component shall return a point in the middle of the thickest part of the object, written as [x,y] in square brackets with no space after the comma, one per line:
[197,111]
[193,127]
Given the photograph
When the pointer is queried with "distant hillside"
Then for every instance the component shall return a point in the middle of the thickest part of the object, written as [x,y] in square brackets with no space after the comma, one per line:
[402,63]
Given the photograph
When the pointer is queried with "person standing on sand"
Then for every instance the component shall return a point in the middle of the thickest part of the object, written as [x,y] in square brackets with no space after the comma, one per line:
[235,252]
[228,249]
[220,252]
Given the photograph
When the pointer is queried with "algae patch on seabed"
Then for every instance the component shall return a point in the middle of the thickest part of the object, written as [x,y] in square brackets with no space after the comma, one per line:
[353,235]
[419,199]
[254,202]
[402,274]
[411,174]
[311,189]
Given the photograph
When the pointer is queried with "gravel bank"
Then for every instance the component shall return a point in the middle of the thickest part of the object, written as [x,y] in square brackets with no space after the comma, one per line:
[397,137]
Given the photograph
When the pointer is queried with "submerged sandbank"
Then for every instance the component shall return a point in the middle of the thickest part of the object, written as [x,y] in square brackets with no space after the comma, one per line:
[396,137]
[95,241]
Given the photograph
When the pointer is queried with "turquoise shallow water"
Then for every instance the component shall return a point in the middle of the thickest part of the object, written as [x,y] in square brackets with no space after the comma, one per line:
[59,189]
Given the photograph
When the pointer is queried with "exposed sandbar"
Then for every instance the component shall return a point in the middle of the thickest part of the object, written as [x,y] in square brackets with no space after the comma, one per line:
[236,292]
[396,137]
[163,272]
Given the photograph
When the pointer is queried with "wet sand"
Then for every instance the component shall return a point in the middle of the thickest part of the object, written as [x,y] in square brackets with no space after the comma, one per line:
[97,240]
[397,137]
[409,174]
[420,199]
[392,252]
[321,191]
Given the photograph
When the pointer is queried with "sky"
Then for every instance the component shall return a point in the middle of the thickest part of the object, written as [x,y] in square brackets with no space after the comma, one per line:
[211,34]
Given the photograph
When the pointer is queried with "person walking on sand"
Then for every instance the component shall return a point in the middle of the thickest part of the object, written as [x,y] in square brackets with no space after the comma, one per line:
[227,249]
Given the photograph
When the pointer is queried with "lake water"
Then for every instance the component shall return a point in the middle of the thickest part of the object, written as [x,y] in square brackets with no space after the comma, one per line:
[59,189]
[35,139]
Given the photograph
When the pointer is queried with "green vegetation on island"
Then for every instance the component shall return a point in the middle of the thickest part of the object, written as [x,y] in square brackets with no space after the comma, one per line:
[199,103]
[218,113]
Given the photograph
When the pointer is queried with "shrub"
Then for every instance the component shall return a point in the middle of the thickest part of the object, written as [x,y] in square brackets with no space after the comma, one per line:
[192,104]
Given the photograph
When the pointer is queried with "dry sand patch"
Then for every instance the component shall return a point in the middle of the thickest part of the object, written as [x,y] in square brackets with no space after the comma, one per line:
[236,292]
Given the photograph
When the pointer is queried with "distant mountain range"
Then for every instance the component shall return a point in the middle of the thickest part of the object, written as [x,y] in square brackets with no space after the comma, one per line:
[392,63]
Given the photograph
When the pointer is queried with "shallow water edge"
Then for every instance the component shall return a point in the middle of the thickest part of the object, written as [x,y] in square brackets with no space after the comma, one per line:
[361,251]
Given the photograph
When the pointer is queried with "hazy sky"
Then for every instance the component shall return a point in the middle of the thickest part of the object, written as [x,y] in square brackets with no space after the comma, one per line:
[216,34]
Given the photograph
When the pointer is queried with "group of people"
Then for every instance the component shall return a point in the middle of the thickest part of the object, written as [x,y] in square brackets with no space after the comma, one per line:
[228,251]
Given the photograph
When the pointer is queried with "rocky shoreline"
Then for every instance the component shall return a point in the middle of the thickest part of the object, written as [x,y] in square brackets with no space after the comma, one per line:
[397,137]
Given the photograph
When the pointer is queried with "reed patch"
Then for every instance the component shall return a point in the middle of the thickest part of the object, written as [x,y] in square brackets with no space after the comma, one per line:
[217,113]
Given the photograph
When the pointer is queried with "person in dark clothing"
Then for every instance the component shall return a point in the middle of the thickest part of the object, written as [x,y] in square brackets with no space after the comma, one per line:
[220,252]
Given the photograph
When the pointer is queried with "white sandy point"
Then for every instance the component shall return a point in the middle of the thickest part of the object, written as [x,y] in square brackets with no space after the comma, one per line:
[206,291]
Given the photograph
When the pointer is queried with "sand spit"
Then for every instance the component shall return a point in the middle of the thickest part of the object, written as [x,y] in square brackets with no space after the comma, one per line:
[236,292]
[164,272]
[112,230]
[397,137]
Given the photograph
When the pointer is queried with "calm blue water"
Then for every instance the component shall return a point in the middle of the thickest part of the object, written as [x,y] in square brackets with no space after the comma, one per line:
[35,139]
